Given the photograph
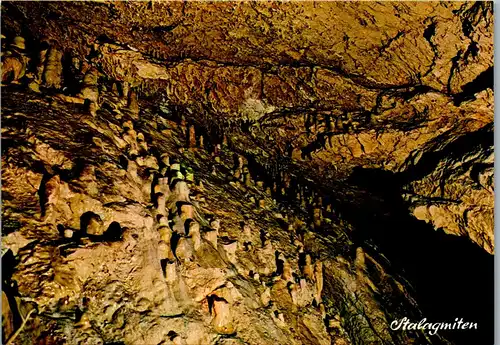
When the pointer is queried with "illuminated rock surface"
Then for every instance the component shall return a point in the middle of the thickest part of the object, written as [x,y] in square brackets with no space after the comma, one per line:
[246,173]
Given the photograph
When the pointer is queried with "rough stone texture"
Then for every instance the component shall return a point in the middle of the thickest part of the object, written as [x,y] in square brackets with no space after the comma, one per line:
[458,195]
[168,166]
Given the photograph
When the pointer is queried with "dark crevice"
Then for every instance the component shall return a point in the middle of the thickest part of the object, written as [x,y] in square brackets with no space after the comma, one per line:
[482,138]
[443,269]
[455,64]
[482,82]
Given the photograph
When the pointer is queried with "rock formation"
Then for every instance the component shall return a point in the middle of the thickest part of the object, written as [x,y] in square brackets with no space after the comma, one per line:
[246,172]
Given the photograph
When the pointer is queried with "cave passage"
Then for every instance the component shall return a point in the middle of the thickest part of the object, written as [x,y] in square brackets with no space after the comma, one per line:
[452,277]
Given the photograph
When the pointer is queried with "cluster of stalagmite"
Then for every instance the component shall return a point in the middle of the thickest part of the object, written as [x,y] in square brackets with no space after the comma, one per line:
[177,218]
[44,69]
[14,60]
[179,231]
[167,181]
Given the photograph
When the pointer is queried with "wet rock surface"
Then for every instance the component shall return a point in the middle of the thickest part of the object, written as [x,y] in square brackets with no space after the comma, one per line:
[246,173]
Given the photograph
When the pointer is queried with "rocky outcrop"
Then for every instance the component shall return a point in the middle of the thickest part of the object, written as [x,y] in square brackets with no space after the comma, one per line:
[457,195]
[354,84]
[114,250]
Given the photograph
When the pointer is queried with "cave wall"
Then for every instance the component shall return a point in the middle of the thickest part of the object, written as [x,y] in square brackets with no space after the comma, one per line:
[342,131]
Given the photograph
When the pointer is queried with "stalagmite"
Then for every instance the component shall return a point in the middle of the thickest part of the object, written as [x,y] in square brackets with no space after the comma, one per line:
[359,262]
[148,162]
[223,320]
[171,271]
[317,216]
[191,136]
[128,125]
[68,233]
[84,322]
[130,137]
[215,224]
[165,160]
[52,75]
[318,274]
[247,179]
[164,252]
[236,174]
[217,149]
[125,87]
[14,61]
[161,204]
[303,283]
[186,211]
[211,236]
[175,167]
[287,271]
[181,191]
[322,310]
[334,324]
[162,186]
[230,249]
[265,297]
[189,176]
[40,67]
[52,194]
[162,221]
[165,233]
[183,249]
[89,89]
[281,318]
[114,89]
[142,143]
[132,104]
[292,289]
[194,234]
[307,269]
[247,232]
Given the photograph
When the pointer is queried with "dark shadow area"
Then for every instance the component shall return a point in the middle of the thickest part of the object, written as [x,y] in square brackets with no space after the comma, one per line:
[113,233]
[452,276]
[482,82]
[187,225]
[10,290]
[85,220]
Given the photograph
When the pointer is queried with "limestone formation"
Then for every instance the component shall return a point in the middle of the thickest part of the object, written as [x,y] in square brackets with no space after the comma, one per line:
[249,173]
[308,268]
[52,74]
[90,86]
[14,61]
[318,275]
[161,204]
[230,249]
[194,234]
[222,321]
[132,105]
